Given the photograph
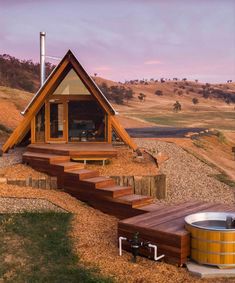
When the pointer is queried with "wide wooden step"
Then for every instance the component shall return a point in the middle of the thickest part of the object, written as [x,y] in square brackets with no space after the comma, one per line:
[54,159]
[47,150]
[98,182]
[116,191]
[135,200]
[80,174]
[79,150]
[70,165]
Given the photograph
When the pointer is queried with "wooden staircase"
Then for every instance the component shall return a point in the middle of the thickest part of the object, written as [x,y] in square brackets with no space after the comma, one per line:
[86,185]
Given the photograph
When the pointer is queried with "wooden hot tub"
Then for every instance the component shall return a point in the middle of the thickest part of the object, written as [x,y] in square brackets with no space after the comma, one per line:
[212,238]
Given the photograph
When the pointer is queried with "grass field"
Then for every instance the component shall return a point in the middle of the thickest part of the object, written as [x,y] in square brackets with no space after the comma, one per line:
[35,247]
[212,119]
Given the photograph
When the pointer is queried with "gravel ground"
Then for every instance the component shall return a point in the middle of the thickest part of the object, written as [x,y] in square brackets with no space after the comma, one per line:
[18,205]
[188,178]
[20,171]
[94,236]
[125,164]
[12,157]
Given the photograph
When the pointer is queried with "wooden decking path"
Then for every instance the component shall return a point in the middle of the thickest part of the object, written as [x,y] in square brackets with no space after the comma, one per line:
[165,227]
[100,192]
[76,150]
[160,224]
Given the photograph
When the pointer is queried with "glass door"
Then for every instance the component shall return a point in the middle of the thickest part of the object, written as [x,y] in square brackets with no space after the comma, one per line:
[56,121]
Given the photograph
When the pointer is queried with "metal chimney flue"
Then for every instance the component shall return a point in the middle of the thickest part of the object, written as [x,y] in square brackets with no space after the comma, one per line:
[42,57]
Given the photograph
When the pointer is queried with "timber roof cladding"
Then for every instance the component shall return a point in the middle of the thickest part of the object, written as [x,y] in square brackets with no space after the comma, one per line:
[50,85]
[90,84]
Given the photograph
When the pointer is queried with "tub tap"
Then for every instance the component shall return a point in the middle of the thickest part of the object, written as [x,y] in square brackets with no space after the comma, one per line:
[230,222]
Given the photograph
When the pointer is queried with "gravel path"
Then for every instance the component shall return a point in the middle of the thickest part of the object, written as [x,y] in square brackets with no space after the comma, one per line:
[12,157]
[18,205]
[188,178]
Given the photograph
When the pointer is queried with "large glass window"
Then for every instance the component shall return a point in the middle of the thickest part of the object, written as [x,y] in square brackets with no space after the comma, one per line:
[56,120]
[40,125]
[71,85]
[86,121]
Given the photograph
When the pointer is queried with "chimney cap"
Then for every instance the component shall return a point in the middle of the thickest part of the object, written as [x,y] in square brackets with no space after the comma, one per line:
[42,33]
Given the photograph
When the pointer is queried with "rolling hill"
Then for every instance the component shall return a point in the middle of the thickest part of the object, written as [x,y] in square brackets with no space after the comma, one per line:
[139,102]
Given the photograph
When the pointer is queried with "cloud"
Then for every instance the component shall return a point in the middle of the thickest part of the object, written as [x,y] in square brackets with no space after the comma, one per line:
[102,68]
[152,62]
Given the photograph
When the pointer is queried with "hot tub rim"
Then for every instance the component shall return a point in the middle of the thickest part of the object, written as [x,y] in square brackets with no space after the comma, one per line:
[211,213]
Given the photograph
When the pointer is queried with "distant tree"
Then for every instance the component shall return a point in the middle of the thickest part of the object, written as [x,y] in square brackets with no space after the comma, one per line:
[162,80]
[228,101]
[116,93]
[180,92]
[229,81]
[205,93]
[159,92]
[177,106]
[95,74]
[21,74]
[128,94]
[196,81]
[195,101]
[184,79]
[175,90]
[141,96]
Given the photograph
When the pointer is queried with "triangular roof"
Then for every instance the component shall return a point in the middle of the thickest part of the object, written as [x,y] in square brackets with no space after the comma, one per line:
[69,58]
[68,62]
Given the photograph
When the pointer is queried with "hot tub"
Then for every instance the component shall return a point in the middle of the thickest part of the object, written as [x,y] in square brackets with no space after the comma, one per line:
[212,238]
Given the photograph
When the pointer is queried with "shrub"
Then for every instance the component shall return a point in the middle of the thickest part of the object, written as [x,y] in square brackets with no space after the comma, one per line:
[158,92]
[195,101]
[177,106]
[141,96]
[5,129]
[221,137]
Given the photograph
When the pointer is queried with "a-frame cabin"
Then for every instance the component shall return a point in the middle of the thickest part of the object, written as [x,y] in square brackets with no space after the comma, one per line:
[68,109]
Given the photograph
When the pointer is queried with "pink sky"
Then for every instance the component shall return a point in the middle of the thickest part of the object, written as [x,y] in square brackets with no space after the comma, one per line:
[127,39]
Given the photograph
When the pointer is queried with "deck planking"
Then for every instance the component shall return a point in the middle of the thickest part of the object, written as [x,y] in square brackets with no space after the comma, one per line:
[76,150]
[160,224]
[165,228]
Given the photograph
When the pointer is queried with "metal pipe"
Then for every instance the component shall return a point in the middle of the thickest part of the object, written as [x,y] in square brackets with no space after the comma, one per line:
[155,252]
[120,239]
[42,57]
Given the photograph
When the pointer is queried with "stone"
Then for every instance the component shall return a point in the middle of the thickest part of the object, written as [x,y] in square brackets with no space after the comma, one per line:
[206,271]
[3,180]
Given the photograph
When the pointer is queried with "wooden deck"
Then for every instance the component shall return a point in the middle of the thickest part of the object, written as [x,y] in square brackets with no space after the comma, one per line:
[86,185]
[165,227]
[159,224]
[75,150]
